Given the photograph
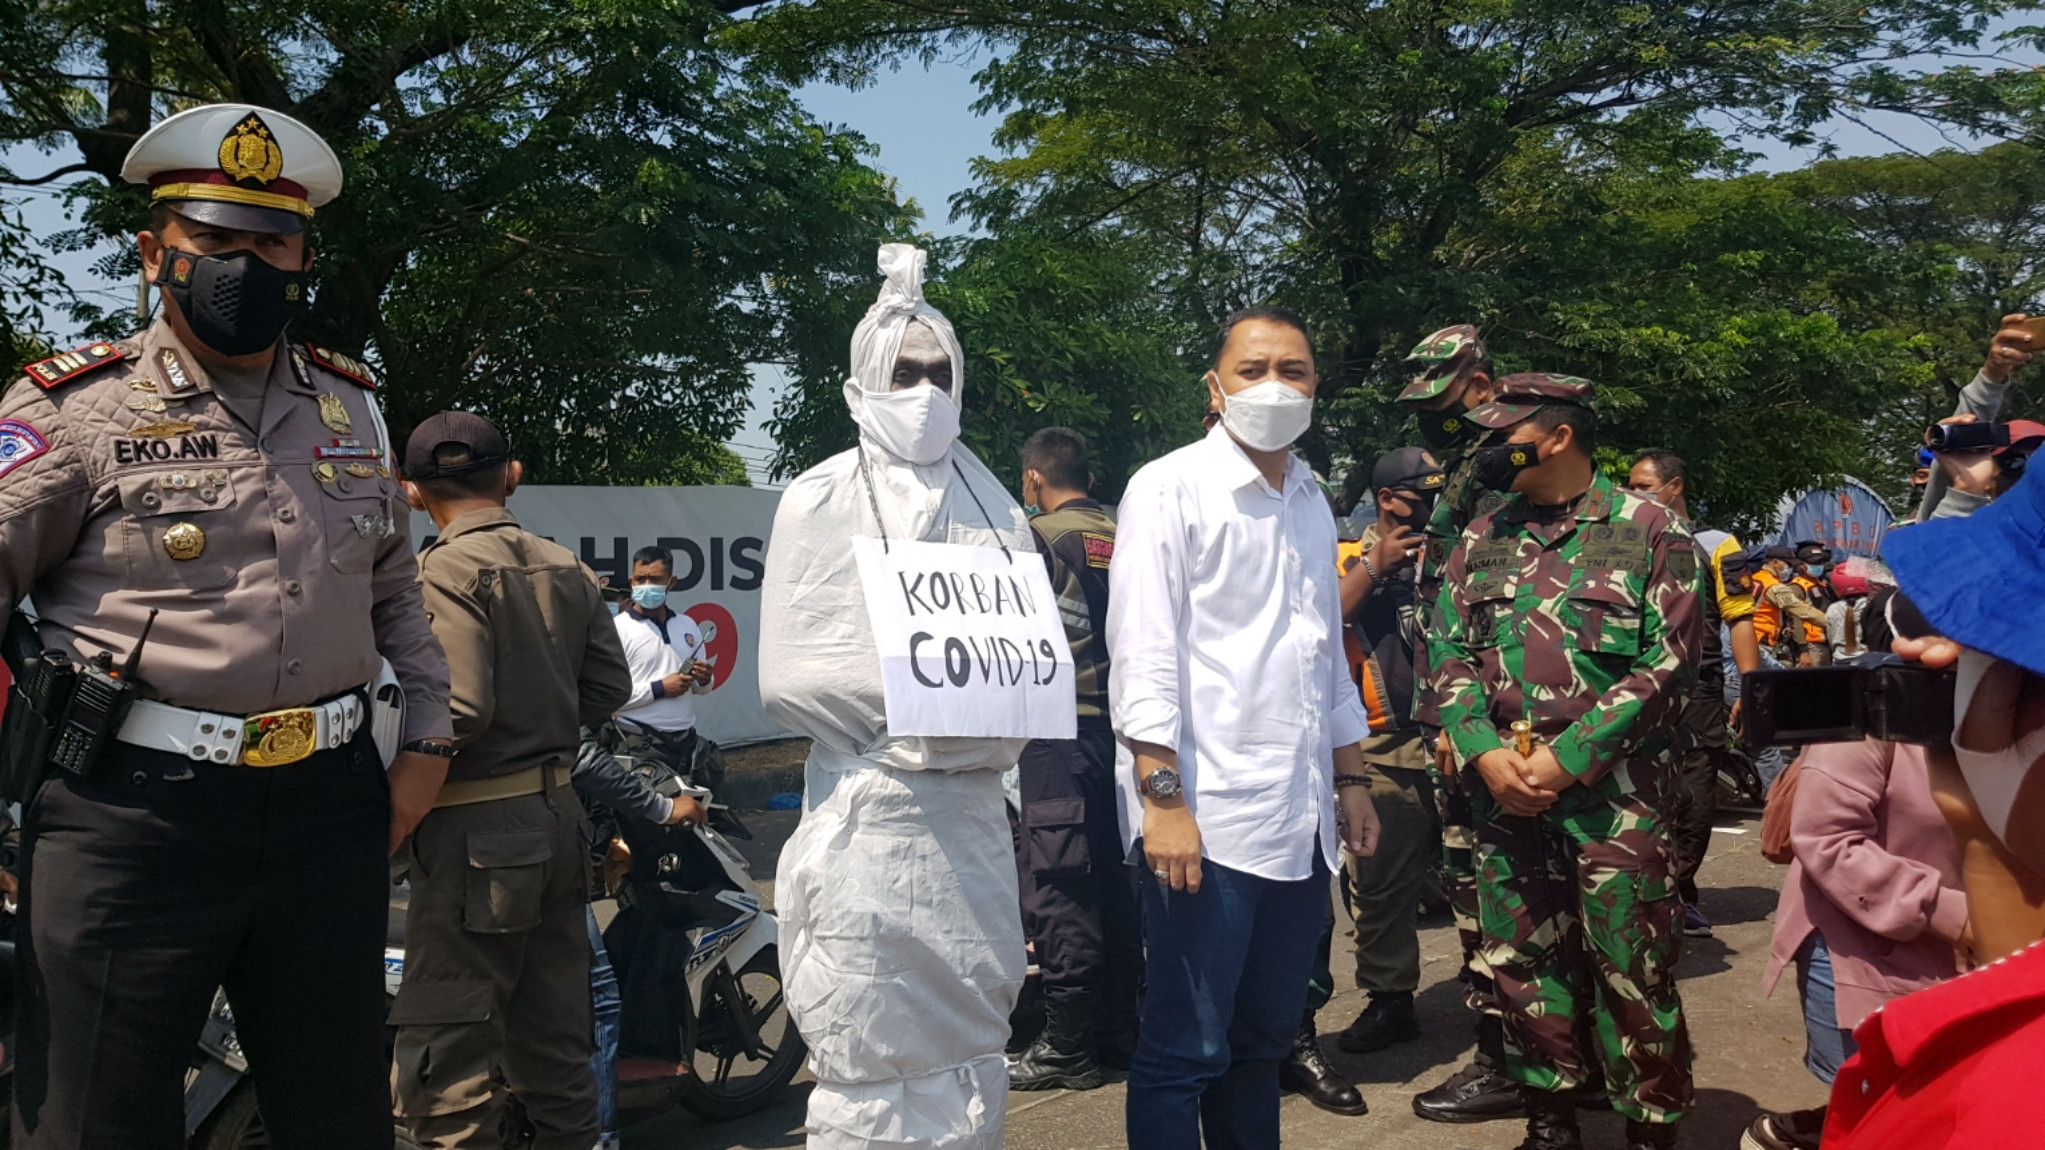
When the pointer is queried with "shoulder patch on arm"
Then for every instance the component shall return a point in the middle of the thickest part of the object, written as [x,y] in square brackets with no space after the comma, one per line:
[67,366]
[1683,561]
[343,365]
[19,443]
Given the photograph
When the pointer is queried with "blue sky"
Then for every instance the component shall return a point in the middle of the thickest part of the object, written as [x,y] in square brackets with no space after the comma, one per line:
[922,122]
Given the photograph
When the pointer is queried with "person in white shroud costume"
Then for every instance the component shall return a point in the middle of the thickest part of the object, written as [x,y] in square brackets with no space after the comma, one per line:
[901,945]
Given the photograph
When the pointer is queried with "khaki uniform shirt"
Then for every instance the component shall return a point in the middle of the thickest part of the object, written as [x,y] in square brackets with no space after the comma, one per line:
[532,649]
[277,587]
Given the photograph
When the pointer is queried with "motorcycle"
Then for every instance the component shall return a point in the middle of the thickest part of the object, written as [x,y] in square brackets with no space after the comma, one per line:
[703,1020]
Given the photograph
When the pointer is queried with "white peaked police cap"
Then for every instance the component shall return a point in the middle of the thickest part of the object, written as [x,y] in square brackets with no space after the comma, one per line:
[236,166]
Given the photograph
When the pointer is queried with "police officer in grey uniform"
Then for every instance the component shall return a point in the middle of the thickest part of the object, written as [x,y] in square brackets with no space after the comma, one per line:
[233,831]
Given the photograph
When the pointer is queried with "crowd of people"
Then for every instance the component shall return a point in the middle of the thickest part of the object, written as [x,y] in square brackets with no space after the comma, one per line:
[1504,682]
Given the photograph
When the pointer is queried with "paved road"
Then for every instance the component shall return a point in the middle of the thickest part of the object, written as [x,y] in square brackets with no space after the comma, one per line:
[1750,1049]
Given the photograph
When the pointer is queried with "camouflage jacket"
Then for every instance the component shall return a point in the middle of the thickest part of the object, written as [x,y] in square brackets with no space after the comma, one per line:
[1462,499]
[1583,620]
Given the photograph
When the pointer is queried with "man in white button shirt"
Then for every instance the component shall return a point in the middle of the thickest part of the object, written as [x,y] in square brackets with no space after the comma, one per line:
[1235,717]
[664,648]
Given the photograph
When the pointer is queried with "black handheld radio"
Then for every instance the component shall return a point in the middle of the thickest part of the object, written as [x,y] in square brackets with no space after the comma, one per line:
[99,705]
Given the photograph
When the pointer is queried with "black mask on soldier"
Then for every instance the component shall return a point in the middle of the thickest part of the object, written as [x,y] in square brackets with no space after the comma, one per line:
[1496,466]
[1444,429]
[237,302]
[1419,509]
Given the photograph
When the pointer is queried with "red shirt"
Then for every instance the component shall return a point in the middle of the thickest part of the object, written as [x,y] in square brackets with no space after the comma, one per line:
[1955,1065]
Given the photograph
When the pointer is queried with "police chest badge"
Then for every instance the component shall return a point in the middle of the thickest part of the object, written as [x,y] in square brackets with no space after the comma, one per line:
[374,526]
[184,541]
[334,415]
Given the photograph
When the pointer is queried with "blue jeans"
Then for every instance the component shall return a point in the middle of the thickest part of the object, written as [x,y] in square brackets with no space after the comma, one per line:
[603,989]
[1827,1044]
[1227,972]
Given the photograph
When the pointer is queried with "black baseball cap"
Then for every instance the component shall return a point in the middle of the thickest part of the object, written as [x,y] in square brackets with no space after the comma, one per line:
[1810,551]
[453,443]
[1408,468]
[1786,554]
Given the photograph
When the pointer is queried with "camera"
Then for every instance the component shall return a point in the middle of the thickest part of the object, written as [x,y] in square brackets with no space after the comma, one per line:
[1966,436]
[1881,698]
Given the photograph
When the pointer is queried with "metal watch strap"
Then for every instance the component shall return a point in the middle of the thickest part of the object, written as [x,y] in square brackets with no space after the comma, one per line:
[425,747]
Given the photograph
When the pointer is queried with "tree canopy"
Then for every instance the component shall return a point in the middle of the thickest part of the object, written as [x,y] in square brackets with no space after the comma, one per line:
[586,220]
[1542,169]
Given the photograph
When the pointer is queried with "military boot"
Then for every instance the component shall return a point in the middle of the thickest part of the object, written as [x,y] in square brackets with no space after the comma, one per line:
[1307,1073]
[1062,1057]
[1551,1122]
[1387,1020]
[1650,1135]
[1479,1092]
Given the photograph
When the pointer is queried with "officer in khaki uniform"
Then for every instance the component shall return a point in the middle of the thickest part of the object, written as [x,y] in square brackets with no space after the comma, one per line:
[498,956]
[235,835]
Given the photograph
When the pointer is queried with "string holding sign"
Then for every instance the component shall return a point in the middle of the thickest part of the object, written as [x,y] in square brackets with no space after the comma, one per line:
[970,642]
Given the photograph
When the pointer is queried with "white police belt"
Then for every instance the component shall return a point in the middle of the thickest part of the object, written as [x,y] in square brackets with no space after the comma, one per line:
[271,739]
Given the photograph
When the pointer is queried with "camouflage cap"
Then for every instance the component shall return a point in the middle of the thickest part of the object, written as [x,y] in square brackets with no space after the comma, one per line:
[1440,358]
[1524,393]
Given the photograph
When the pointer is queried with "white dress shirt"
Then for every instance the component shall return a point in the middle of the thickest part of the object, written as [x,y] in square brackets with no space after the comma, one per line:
[1225,618]
[652,657]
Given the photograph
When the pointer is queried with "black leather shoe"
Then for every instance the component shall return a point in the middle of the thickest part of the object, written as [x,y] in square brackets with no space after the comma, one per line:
[1551,1122]
[1387,1020]
[1650,1135]
[1062,1057]
[1307,1073]
[1476,1093]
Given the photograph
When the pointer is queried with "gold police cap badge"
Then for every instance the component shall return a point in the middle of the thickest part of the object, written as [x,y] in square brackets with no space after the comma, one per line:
[250,153]
[184,541]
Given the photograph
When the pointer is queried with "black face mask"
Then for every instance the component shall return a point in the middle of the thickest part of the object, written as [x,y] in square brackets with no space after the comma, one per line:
[1498,465]
[1420,510]
[1444,429]
[237,303]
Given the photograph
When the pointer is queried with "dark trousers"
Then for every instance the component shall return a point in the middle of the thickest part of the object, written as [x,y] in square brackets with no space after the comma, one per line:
[1694,798]
[1078,895]
[163,880]
[1226,984]
[497,975]
[1385,889]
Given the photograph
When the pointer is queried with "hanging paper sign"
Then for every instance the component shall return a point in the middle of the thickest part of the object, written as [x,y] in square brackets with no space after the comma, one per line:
[970,641]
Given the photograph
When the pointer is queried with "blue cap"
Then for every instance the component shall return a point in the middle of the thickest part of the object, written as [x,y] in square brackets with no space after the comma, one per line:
[1925,458]
[1980,579]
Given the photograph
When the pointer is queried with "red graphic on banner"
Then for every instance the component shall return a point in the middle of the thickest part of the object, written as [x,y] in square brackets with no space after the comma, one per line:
[720,639]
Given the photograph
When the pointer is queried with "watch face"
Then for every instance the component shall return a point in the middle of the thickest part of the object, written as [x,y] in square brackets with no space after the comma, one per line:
[1163,783]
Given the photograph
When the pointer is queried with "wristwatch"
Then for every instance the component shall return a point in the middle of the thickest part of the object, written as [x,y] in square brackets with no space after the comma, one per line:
[429,747]
[1163,783]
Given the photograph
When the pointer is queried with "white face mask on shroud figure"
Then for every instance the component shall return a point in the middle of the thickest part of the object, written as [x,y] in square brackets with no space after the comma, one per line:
[918,423]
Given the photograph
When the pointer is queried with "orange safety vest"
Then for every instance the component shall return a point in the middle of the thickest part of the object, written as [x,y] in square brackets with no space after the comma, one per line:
[1812,632]
[1767,616]
[1377,702]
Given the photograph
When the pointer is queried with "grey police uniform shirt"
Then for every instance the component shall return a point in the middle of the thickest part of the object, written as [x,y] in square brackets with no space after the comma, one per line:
[278,555]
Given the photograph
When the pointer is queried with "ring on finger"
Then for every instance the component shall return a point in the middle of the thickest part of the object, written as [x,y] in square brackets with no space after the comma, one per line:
[1162,875]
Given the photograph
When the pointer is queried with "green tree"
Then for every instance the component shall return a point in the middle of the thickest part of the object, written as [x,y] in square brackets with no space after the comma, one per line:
[585,220]
[1390,167]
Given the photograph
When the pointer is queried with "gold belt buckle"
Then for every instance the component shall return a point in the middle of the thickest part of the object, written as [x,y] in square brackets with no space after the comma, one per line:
[277,738]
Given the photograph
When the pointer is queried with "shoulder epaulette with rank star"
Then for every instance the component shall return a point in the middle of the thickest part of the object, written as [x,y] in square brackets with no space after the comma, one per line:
[341,364]
[70,365]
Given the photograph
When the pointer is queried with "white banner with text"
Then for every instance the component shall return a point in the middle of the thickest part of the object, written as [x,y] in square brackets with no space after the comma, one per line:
[718,536]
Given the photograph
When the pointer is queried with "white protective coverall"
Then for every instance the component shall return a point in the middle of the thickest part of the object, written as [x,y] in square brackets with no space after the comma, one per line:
[901,940]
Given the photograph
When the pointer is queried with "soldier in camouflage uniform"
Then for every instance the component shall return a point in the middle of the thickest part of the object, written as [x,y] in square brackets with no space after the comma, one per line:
[1569,631]
[1453,376]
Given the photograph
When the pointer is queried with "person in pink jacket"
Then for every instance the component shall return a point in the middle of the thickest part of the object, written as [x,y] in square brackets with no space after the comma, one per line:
[1872,909]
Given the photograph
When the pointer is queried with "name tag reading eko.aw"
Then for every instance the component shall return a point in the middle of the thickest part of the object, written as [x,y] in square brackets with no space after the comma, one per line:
[970,641]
